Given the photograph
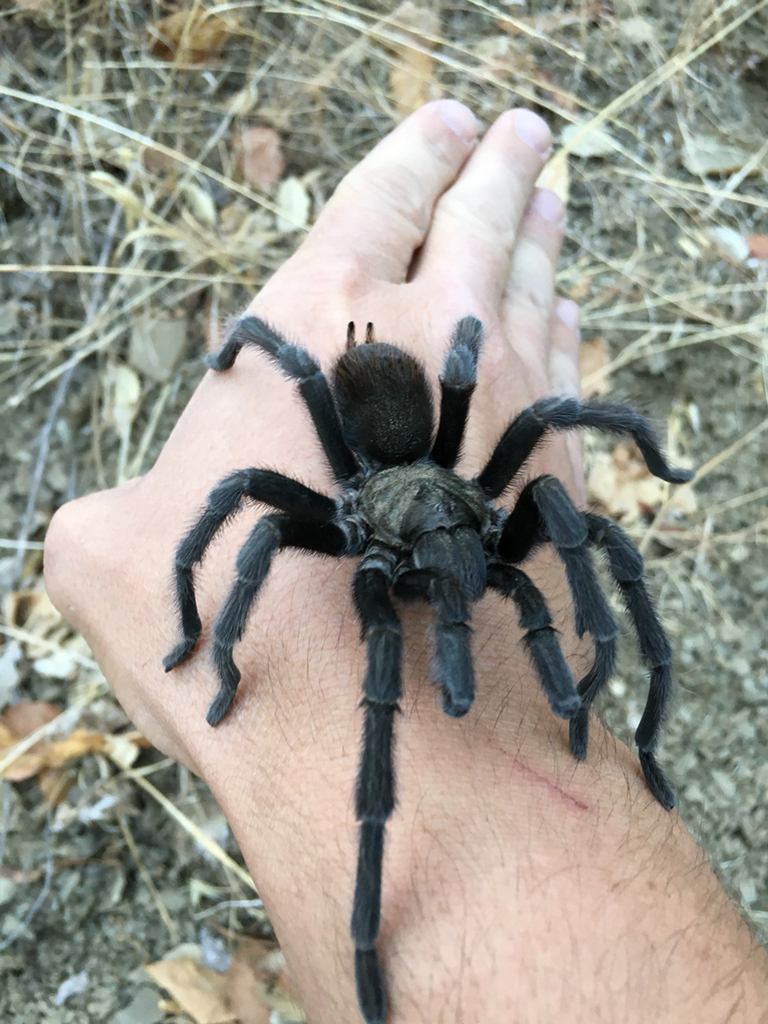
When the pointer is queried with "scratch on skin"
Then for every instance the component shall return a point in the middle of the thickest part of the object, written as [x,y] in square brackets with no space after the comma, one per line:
[542,779]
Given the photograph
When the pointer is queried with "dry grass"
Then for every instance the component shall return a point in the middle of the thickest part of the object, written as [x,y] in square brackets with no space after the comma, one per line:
[124,198]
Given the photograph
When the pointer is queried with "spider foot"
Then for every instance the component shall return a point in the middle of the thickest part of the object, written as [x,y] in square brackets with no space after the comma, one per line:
[567,706]
[229,674]
[578,733]
[657,782]
[369,979]
[456,708]
[180,653]
[221,704]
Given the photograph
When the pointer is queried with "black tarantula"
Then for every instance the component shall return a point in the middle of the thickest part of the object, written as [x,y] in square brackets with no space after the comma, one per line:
[422,532]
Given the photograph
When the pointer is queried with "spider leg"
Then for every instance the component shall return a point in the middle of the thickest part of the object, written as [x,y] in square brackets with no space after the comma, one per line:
[375,792]
[298,364]
[526,432]
[545,512]
[223,503]
[457,382]
[253,563]
[449,568]
[540,637]
[451,667]
[627,569]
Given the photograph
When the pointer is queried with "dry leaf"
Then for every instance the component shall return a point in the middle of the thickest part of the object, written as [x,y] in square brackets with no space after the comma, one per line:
[28,715]
[581,287]
[157,346]
[593,359]
[708,154]
[157,162]
[621,483]
[551,91]
[411,77]
[119,193]
[596,142]
[261,157]
[191,35]
[36,6]
[544,24]
[637,30]
[31,610]
[18,721]
[77,744]
[730,244]
[200,991]
[258,983]
[555,175]
[62,664]
[123,391]
[293,200]
[200,203]
[758,246]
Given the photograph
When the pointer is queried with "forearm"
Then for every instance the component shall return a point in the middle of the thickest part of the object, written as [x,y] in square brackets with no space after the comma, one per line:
[518,884]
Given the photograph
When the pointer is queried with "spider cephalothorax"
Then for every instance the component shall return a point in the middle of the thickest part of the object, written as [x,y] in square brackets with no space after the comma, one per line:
[420,531]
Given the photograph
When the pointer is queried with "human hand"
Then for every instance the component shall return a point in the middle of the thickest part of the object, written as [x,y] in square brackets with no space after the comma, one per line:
[494,814]
[429,228]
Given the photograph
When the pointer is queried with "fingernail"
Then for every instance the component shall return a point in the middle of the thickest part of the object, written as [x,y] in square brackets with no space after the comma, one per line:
[534,131]
[568,311]
[549,205]
[459,119]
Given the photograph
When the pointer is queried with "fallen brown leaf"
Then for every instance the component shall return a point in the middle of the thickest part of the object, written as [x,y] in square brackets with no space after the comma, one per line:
[199,991]
[711,154]
[621,484]
[551,91]
[556,176]
[258,983]
[27,715]
[593,359]
[758,246]
[411,77]
[192,35]
[19,720]
[260,156]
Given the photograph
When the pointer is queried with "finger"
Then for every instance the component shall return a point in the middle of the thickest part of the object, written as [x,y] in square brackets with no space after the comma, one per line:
[564,353]
[529,294]
[380,212]
[476,221]
[564,380]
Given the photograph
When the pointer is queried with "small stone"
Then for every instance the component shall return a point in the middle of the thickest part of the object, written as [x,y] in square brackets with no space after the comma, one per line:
[142,1009]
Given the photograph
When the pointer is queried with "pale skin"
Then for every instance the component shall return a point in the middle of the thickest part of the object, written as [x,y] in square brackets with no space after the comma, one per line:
[519,884]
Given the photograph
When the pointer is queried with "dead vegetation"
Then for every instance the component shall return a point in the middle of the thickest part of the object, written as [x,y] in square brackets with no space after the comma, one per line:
[157,163]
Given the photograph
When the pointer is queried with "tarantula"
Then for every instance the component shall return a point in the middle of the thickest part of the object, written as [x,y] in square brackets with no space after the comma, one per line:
[423,532]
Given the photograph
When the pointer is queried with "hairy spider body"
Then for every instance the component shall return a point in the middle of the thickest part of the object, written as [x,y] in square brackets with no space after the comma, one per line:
[421,532]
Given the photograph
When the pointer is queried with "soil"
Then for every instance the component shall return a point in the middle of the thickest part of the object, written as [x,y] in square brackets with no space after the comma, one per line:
[640,255]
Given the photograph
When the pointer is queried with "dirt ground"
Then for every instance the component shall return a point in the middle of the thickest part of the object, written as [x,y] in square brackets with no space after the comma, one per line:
[119,142]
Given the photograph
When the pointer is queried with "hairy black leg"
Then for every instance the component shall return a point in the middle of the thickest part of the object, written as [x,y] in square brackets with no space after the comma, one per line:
[527,431]
[452,661]
[223,502]
[627,569]
[253,563]
[451,669]
[545,512]
[298,364]
[540,637]
[449,568]
[375,793]
[457,383]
